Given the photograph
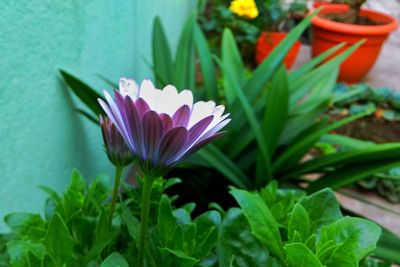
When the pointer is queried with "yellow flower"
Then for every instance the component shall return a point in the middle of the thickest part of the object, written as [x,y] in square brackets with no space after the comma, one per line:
[244,8]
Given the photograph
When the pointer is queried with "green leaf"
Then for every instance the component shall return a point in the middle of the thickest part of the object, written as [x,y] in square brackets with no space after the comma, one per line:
[162,59]
[170,231]
[312,76]
[295,152]
[320,93]
[262,222]
[267,68]
[350,174]
[357,237]
[85,93]
[297,124]
[100,245]
[98,192]
[296,74]
[366,154]
[252,120]
[345,141]
[322,208]
[26,226]
[232,65]
[184,65]
[236,244]
[58,241]
[388,247]
[298,255]
[74,197]
[178,258]
[132,224]
[88,116]
[214,157]
[206,233]
[206,64]
[299,222]
[114,260]
[276,110]
[24,253]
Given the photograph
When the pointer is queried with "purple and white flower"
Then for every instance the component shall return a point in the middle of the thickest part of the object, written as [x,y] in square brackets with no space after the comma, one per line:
[161,127]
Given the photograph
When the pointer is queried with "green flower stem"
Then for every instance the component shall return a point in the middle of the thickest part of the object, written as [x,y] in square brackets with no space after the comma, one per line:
[117,179]
[144,217]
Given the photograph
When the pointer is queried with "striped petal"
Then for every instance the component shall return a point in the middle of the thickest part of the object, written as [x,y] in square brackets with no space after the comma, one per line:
[172,143]
[181,116]
[166,121]
[152,133]
[202,143]
[133,123]
[198,129]
[141,106]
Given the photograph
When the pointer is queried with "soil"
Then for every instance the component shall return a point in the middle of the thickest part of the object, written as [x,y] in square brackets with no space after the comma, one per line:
[372,129]
[346,17]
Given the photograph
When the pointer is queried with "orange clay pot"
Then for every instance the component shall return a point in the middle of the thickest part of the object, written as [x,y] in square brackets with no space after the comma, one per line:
[327,33]
[268,41]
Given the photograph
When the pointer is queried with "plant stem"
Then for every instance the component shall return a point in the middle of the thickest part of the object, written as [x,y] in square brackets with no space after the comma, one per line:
[144,217]
[117,179]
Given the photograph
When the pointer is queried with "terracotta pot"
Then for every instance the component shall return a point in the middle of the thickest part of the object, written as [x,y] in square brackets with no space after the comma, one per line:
[268,41]
[327,33]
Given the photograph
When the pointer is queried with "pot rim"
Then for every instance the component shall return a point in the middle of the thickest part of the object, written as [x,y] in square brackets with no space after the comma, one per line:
[365,30]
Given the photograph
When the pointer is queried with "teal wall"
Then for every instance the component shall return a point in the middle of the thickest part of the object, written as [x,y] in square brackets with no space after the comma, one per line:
[41,138]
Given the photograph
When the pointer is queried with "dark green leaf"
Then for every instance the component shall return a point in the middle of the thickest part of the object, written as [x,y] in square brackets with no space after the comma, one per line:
[85,93]
[276,110]
[214,157]
[58,241]
[114,260]
[351,174]
[322,208]
[298,255]
[184,65]
[237,244]
[267,68]
[22,253]
[357,237]
[299,222]
[262,222]
[162,59]
[207,66]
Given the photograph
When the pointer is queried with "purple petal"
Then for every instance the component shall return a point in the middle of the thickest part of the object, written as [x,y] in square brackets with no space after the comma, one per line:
[141,106]
[172,143]
[152,132]
[213,130]
[166,121]
[113,111]
[199,128]
[202,143]
[133,124]
[181,116]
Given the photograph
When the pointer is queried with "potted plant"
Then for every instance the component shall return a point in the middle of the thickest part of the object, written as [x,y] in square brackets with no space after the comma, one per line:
[349,24]
[275,18]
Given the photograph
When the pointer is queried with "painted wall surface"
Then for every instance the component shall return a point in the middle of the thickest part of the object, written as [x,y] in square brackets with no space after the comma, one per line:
[41,138]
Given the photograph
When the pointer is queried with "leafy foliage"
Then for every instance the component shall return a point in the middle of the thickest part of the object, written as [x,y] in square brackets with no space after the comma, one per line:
[330,240]
[269,229]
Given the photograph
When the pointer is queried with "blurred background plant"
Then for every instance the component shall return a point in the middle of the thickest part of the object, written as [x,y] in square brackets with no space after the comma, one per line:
[271,16]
